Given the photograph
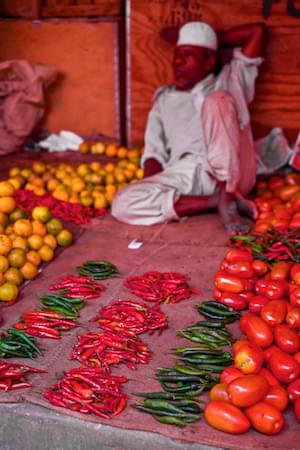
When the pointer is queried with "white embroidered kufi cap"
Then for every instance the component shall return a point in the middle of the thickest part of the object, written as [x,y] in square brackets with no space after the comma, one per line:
[199,34]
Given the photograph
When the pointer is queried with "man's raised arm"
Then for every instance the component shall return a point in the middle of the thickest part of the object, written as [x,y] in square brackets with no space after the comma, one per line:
[251,37]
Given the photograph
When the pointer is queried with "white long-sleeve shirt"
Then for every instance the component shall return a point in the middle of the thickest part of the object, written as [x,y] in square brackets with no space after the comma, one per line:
[174,125]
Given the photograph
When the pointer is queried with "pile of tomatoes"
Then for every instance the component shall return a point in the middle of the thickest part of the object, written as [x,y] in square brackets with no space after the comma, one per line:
[278,202]
[265,377]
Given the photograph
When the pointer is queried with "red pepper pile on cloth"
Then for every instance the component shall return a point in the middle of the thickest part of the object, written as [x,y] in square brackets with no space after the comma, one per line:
[158,287]
[89,391]
[72,212]
[129,317]
[13,376]
[105,349]
[44,324]
[76,286]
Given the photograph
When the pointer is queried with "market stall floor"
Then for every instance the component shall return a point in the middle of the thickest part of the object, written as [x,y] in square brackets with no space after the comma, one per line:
[194,247]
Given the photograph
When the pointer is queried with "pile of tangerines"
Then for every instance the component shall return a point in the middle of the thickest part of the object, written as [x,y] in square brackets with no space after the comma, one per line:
[25,243]
[92,185]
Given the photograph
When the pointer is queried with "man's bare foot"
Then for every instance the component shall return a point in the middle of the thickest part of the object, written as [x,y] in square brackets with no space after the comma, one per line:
[229,214]
[246,207]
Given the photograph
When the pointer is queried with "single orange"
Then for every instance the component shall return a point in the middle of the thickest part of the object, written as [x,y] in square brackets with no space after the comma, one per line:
[38,167]
[54,226]
[41,213]
[19,242]
[4,220]
[33,257]
[46,253]
[7,204]
[64,238]
[6,189]
[14,276]
[23,227]
[29,270]
[3,264]
[8,292]
[16,257]
[17,214]
[35,241]
[38,228]
[5,244]
[50,240]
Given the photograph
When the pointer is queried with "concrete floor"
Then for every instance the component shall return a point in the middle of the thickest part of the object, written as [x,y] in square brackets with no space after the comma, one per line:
[31,427]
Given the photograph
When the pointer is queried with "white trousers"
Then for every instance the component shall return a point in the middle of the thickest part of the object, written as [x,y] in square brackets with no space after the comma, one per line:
[230,156]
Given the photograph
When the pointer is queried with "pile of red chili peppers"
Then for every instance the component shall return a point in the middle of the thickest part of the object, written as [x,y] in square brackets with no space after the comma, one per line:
[160,287]
[129,317]
[44,324]
[105,349]
[89,391]
[71,212]
[76,286]
[13,376]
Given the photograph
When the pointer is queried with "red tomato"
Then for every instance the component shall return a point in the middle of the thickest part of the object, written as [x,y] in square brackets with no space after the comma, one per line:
[257,331]
[269,377]
[260,267]
[297,357]
[233,301]
[295,295]
[287,192]
[278,397]
[280,271]
[274,312]
[261,286]
[294,223]
[293,178]
[276,289]
[247,390]
[249,358]
[275,182]
[293,317]
[236,255]
[270,350]
[257,303]
[247,295]
[228,283]
[249,284]
[219,392]
[293,390]
[217,294]
[295,273]
[224,264]
[226,417]
[297,410]
[229,374]
[286,338]
[265,418]
[241,269]
[236,347]
[284,367]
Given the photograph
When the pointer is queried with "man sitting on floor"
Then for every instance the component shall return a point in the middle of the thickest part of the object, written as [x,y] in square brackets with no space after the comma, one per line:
[199,150]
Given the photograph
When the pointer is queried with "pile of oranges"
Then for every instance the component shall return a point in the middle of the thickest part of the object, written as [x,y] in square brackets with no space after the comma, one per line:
[278,203]
[92,185]
[111,150]
[25,243]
